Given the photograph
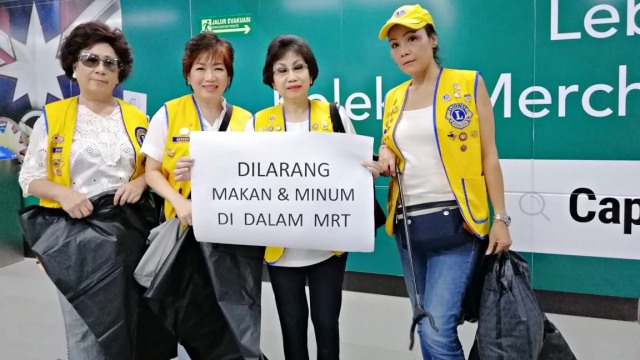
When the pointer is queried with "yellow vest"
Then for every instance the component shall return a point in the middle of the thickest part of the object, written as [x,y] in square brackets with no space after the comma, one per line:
[458,139]
[183,116]
[273,119]
[60,120]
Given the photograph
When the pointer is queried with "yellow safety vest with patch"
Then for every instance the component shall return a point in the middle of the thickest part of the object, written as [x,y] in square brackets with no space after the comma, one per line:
[60,121]
[273,120]
[458,139]
[183,116]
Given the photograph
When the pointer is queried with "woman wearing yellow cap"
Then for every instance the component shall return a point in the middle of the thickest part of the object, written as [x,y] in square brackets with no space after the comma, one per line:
[438,144]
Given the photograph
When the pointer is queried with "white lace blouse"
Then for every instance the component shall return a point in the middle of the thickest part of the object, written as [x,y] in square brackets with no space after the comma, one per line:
[102,156]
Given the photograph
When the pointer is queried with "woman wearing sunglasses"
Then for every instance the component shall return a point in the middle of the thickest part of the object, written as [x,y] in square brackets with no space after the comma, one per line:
[80,147]
[232,326]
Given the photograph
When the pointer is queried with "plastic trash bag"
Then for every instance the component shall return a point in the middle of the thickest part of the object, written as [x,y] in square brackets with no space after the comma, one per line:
[554,346]
[510,323]
[91,262]
[153,341]
[161,241]
[379,217]
[236,274]
[196,292]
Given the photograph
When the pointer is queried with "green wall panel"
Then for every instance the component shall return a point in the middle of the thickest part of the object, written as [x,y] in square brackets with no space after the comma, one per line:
[578,134]
[510,42]
[157,32]
[585,275]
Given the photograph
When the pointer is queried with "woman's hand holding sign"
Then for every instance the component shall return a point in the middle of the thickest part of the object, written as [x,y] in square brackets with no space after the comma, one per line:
[373,167]
[182,171]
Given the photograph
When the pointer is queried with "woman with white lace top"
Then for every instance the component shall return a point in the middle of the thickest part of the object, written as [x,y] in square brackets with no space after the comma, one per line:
[83,146]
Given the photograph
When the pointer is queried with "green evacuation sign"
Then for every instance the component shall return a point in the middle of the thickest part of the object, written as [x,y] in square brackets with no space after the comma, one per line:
[234,24]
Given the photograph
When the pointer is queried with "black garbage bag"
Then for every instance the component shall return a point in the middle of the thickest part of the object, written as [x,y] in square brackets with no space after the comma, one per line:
[236,275]
[473,294]
[554,346]
[91,262]
[182,295]
[510,323]
[379,217]
[153,341]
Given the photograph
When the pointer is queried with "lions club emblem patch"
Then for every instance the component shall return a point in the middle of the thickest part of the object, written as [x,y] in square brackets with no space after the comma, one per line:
[140,134]
[459,115]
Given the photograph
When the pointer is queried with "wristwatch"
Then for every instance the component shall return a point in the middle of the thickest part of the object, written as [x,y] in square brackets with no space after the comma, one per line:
[506,219]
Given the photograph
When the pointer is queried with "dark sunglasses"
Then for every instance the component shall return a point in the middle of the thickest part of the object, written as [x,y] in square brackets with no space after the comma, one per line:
[93,60]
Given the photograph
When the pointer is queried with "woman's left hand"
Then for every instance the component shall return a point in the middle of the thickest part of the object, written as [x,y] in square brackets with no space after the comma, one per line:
[373,167]
[130,192]
[499,238]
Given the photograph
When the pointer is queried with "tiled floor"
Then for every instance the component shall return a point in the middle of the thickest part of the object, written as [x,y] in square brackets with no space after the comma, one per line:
[373,327]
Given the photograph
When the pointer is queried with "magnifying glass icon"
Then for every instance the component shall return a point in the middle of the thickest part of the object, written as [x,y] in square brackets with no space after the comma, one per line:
[532,203]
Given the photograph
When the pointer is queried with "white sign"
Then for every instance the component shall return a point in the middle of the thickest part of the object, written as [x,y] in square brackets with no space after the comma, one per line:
[136,99]
[574,207]
[297,190]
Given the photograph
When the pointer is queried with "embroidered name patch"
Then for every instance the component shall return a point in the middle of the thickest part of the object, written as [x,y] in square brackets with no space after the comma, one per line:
[177,139]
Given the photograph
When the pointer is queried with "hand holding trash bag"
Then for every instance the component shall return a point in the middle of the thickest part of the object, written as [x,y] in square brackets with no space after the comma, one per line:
[91,262]
[74,203]
[510,323]
[88,248]
[130,192]
[499,239]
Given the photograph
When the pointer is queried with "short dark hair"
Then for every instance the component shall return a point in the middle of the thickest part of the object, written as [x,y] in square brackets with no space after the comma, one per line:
[88,34]
[207,42]
[279,47]
[431,32]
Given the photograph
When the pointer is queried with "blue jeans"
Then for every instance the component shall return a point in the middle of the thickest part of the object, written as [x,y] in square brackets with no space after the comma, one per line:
[443,269]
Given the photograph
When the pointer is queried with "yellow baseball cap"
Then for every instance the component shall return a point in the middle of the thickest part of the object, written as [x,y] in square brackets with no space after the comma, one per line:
[411,16]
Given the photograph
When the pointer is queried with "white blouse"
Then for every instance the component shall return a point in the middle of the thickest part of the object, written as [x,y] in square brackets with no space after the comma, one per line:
[156,138]
[102,156]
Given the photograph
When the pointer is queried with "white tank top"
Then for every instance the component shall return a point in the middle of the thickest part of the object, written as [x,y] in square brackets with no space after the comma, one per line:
[424,178]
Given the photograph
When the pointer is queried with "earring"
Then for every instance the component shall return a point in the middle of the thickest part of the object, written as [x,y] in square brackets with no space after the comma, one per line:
[74,74]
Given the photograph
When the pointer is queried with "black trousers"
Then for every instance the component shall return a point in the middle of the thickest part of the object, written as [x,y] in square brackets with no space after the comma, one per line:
[325,297]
